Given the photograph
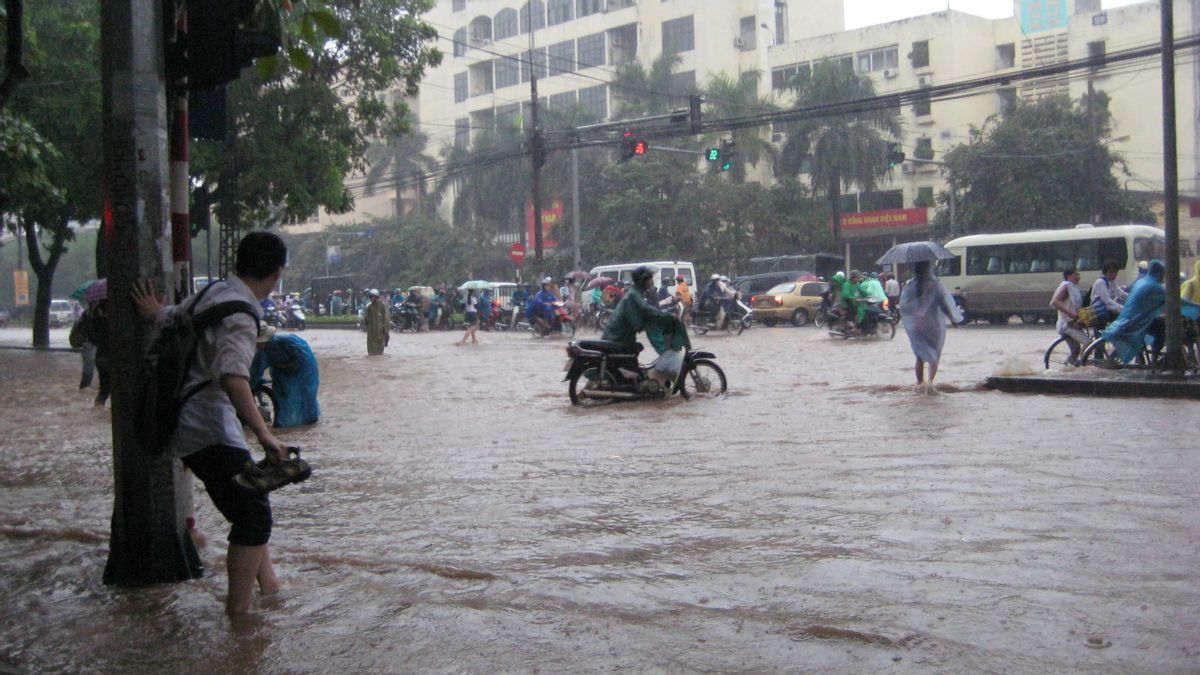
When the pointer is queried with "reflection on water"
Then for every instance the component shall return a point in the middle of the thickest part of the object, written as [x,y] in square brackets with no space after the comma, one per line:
[463,516]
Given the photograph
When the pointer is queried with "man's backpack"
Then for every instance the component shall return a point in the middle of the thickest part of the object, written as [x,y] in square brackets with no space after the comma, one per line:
[167,364]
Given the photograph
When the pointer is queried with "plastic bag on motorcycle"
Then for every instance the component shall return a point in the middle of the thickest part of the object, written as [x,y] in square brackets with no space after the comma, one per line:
[669,363]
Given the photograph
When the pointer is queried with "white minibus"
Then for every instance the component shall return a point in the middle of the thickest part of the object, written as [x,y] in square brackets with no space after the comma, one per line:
[667,269]
[994,276]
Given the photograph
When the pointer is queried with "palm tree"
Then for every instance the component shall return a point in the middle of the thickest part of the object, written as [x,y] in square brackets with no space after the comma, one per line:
[727,97]
[488,192]
[843,148]
[645,92]
[396,161]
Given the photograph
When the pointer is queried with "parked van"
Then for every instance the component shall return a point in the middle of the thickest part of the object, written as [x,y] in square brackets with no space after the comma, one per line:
[667,269]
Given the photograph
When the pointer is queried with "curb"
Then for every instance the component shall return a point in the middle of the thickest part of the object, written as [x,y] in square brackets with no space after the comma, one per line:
[1157,387]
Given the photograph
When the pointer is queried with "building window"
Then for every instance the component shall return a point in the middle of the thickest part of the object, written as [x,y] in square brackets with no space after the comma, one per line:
[459,5]
[538,64]
[782,78]
[561,102]
[462,132]
[506,24]
[921,105]
[561,11]
[595,101]
[507,115]
[682,85]
[924,149]
[925,198]
[879,60]
[920,54]
[1006,55]
[539,15]
[481,78]
[591,51]
[747,30]
[1008,99]
[1096,53]
[460,87]
[460,42]
[843,62]
[562,57]
[678,35]
[508,72]
[588,7]
[781,21]
[620,4]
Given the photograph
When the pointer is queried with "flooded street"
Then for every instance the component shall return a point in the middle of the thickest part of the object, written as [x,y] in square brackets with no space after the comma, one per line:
[463,516]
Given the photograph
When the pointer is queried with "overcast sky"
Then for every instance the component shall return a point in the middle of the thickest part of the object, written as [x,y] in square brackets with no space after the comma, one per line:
[867,12]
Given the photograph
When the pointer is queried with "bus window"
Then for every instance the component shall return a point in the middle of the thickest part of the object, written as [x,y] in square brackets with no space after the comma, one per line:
[949,267]
[1145,248]
[667,277]
[687,276]
[1114,248]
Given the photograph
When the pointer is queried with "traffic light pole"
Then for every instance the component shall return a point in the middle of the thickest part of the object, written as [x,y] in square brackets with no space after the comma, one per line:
[536,147]
[149,541]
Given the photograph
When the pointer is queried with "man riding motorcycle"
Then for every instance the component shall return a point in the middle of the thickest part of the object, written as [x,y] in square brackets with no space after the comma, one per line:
[542,307]
[635,313]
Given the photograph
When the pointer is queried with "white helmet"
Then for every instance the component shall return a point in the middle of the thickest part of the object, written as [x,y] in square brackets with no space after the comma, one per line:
[715,277]
[374,292]
[547,280]
[724,278]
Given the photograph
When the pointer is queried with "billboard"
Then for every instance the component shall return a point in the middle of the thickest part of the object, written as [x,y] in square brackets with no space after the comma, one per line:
[550,218]
[1038,16]
[21,288]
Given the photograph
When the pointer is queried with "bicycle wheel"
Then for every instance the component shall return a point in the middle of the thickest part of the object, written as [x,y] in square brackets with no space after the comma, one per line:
[1099,354]
[1057,354]
[268,407]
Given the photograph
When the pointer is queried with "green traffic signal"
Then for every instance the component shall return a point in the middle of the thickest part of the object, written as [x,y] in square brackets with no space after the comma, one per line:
[713,154]
[727,165]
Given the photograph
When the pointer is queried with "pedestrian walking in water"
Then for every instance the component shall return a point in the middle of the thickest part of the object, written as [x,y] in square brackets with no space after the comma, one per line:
[472,316]
[927,304]
[377,324]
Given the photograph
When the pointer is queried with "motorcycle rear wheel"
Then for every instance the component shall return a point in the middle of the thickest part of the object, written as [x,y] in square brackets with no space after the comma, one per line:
[702,378]
[574,388]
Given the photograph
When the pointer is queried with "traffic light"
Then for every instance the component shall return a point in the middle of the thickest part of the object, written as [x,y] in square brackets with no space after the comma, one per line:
[895,155]
[712,154]
[632,146]
[218,43]
[728,154]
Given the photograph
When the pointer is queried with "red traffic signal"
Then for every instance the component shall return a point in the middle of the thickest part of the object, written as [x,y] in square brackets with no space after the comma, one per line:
[639,147]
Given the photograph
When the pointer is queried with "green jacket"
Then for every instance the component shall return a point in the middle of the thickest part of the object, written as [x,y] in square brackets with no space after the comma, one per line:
[634,314]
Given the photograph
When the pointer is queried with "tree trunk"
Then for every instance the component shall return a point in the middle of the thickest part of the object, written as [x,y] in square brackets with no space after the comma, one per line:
[14,69]
[44,271]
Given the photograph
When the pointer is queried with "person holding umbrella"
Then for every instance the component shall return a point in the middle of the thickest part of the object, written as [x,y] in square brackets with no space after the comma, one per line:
[926,304]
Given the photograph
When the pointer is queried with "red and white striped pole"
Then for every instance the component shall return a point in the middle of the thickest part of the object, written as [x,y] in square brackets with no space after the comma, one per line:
[181,235]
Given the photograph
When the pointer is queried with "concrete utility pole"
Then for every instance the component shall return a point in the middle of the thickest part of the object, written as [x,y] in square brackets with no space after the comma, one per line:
[1173,360]
[149,541]
[537,147]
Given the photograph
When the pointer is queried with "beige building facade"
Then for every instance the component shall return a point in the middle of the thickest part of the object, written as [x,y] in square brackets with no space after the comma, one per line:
[577,45]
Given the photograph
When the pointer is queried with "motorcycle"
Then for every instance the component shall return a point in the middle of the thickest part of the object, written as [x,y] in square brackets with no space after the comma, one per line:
[599,370]
[561,323]
[294,318]
[439,316]
[272,317]
[737,317]
[878,322]
[406,317]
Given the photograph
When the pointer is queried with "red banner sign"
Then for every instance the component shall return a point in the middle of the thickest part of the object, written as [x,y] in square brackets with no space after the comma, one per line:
[550,217]
[892,218]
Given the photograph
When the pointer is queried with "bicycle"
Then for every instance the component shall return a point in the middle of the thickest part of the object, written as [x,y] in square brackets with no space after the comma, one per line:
[1099,354]
[1059,352]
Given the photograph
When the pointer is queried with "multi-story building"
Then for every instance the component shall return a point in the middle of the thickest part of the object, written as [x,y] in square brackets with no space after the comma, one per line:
[575,46]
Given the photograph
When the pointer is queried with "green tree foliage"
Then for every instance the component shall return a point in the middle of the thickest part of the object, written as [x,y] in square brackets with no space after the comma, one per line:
[726,97]
[61,100]
[642,92]
[842,149]
[397,162]
[1038,166]
[298,132]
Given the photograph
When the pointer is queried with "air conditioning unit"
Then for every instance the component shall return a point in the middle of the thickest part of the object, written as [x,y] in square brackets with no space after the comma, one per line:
[889,73]
[908,167]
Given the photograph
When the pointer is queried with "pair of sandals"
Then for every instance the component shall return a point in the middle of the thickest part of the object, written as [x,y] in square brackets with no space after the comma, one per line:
[272,473]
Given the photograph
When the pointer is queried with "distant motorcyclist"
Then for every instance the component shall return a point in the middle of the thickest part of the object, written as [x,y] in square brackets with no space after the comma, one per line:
[542,308]
[635,313]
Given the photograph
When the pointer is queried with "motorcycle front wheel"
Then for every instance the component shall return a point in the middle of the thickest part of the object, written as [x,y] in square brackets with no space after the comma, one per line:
[702,378]
[886,330]
[820,320]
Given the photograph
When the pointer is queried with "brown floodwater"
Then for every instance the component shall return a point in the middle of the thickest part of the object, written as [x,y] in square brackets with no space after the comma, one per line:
[463,516]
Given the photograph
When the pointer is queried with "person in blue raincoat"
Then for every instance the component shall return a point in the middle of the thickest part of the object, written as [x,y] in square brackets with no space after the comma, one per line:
[1140,315]
[634,313]
[541,308]
[294,377]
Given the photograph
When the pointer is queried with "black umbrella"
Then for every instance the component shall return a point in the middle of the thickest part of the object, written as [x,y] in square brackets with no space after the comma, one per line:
[914,251]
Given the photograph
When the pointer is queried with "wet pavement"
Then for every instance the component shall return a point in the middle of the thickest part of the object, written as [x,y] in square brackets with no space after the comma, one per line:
[824,516]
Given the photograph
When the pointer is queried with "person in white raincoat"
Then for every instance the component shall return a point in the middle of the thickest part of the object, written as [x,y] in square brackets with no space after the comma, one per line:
[926,304]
